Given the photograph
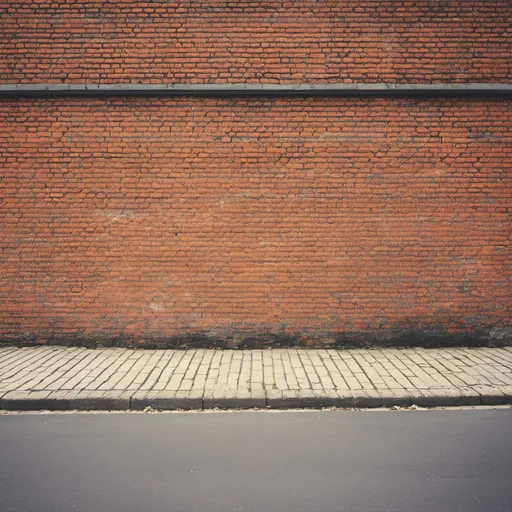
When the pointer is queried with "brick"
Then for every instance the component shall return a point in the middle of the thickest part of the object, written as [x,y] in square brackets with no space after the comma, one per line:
[276,42]
[171,222]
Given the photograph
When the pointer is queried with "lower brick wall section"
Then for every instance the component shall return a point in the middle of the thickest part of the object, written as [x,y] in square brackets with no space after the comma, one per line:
[182,221]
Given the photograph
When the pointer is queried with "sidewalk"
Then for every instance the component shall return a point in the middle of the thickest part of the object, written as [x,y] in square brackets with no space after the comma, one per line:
[114,378]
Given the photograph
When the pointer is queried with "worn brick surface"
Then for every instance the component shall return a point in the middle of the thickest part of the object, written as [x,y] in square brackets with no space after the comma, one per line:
[156,220]
[196,221]
[297,378]
[256,41]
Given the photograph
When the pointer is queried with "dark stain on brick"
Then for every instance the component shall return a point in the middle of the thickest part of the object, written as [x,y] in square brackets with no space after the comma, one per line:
[433,336]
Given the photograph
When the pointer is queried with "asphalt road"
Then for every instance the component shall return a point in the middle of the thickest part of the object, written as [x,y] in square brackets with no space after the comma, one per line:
[421,461]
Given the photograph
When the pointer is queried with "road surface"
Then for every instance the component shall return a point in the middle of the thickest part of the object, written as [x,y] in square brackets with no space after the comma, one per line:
[314,461]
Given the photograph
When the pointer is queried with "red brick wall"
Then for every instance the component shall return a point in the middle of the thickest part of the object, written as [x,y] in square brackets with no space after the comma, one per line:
[146,219]
[256,41]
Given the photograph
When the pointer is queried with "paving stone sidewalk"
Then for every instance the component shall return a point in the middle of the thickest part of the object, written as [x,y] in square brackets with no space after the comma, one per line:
[60,378]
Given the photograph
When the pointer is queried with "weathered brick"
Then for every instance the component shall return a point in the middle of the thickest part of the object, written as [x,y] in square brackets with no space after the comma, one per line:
[253,41]
[203,220]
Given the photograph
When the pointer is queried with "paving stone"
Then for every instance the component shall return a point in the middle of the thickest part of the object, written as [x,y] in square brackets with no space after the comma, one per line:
[58,377]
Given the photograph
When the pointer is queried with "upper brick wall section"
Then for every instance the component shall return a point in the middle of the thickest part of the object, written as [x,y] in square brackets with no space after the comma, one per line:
[256,41]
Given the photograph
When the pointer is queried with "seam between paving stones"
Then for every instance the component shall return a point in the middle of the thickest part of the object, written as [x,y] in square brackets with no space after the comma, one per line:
[306,362]
[102,357]
[290,377]
[300,372]
[320,370]
[12,375]
[22,355]
[491,357]
[198,367]
[279,371]
[465,360]
[506,355]
[340,369]
[98,379]
[6,353]
[303,355]
[264,359]
[108,354]
[142,377]
[166,374]
[193,368]
[208,364]
[26,361]
[230,364]
[213,372]
[155,366]
[357,358]
[101,381]
[363,355]
[234,371]
[340,373]
[451,369]
[479,368]
[346,369]
[126,371]
[257,369]
[415,369]
[13,356]
[211,382]
[187,382]
[197,377]
[96,373]
[326,374]
[67,379]
[392,362]
[421,355]
[48,371]
[130,379]
[245,369]
[461,357]
[67,366]
[450,375]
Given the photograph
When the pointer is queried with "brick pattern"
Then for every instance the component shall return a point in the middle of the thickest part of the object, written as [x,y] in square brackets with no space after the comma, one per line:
[276,41]
[213,374]
[138,220]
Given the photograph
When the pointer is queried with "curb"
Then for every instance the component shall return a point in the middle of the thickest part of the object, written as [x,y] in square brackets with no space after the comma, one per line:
[271,400]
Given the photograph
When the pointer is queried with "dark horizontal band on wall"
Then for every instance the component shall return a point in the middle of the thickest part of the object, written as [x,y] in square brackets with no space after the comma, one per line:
[377,89]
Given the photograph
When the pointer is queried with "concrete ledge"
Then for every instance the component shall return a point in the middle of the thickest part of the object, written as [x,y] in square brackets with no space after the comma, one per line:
[232,401]
[449,398]
[36,401]
[252,89]
[272,400]
[166,401]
